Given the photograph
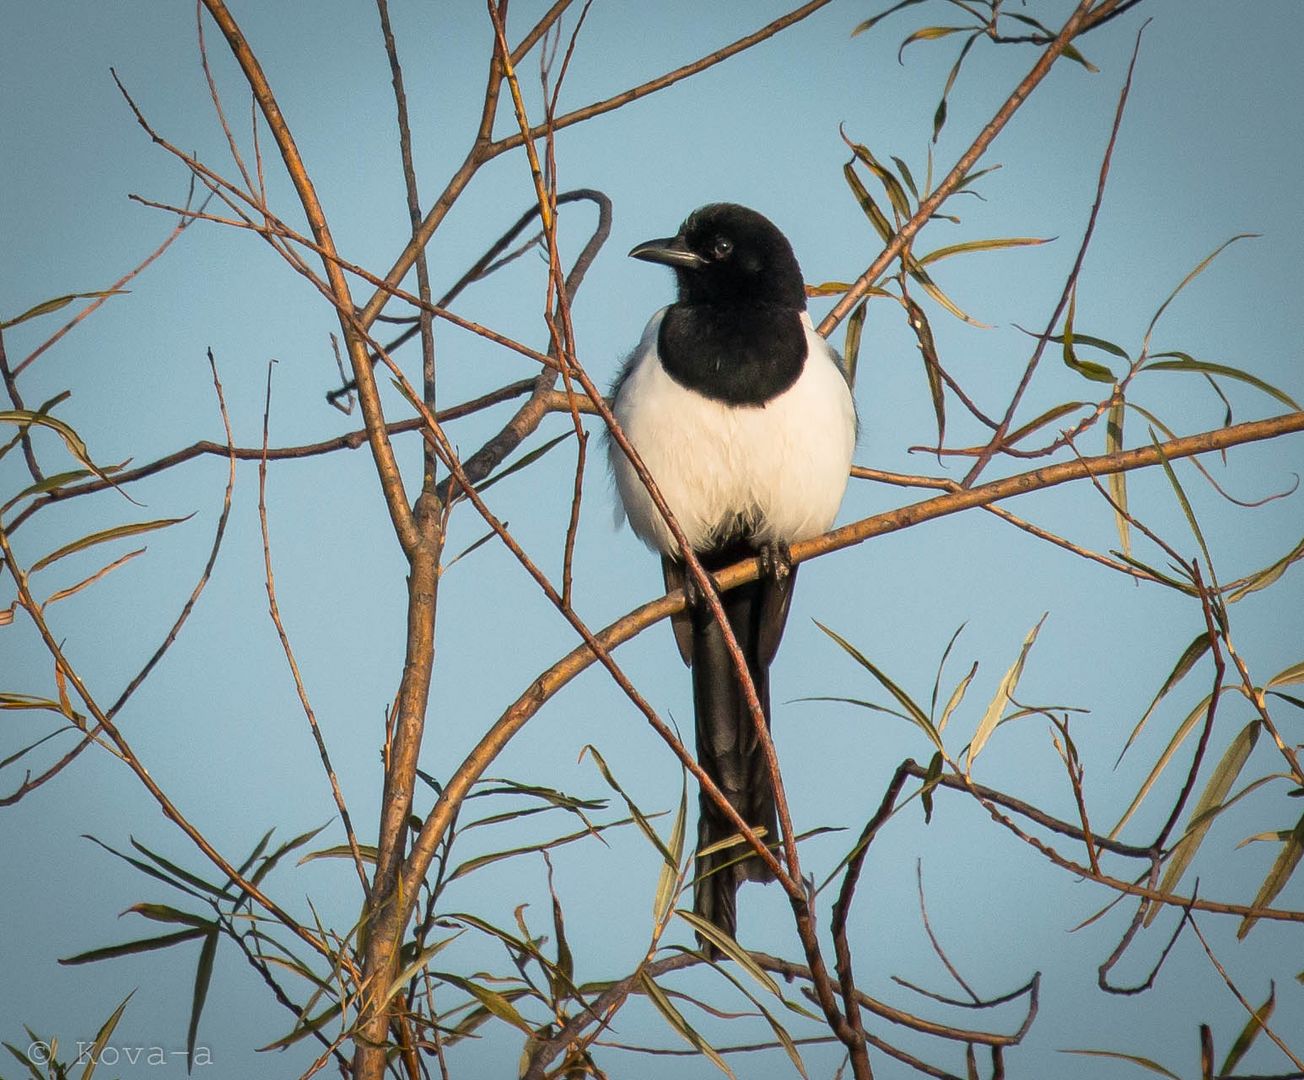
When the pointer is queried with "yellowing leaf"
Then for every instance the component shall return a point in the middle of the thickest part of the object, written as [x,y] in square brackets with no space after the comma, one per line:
[1280,873]
[1207,808]
[104,536]
[1118,480]
[45,307]
[1004,693]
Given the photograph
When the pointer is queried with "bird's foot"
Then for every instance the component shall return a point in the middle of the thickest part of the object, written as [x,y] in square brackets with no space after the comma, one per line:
[694,598]
[776,560]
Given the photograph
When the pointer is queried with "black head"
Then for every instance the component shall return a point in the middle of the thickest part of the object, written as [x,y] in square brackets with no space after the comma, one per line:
[727,254]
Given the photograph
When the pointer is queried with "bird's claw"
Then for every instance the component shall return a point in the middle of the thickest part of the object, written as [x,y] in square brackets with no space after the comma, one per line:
[776,560]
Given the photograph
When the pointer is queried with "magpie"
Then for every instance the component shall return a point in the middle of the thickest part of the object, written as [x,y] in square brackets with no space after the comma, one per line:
[745,420]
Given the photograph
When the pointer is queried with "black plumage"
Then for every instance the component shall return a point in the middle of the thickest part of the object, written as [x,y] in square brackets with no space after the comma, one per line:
[744,418]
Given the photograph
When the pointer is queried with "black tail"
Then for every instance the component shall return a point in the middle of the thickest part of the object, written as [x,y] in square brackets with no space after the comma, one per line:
[728,747]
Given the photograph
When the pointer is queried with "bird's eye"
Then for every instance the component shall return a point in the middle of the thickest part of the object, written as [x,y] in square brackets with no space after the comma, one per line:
[722,248]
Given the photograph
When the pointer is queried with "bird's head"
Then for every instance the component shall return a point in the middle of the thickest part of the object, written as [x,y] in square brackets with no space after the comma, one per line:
[727,254]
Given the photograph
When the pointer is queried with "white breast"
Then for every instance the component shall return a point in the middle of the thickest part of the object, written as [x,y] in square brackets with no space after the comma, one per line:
[783,466]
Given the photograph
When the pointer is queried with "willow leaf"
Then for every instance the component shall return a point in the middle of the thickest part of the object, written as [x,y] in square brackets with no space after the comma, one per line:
[1003,696]
[1280,873]
[1207,808]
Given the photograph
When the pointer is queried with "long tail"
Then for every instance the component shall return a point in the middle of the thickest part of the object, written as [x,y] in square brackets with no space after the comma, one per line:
[728,746]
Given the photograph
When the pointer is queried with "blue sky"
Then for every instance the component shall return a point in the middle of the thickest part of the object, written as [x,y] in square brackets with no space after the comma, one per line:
[1209,148]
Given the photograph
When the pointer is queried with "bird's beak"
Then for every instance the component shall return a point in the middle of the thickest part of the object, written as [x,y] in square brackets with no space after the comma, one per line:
[671,251]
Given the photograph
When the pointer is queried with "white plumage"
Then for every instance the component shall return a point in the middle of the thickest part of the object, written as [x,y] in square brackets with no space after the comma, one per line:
[781,467]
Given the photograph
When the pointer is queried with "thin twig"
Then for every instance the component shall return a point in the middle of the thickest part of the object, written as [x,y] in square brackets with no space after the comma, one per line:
[128,755]
[273,609]
[484,148]
[1070,283]
[549,682]
[349,441]
[180,227]
[31,783]
[1263,1026]
[15,397]
[929,206]
[391,481]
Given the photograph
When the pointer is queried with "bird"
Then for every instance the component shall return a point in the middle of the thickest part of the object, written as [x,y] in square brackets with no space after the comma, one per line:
[745,419]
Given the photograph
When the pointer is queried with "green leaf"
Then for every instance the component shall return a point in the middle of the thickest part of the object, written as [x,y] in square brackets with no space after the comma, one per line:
[50,483]
[304,1028]
[104,536]
[669,879]
[1265,577]
[885,231]
[1207,808]
[1200,268]
[340,851]
[904,170]
[727,945]
[1179,736]
[172,868]
[929,33]
[1118,480]
[201,886]
[26,418]
[931,778]
[480,861]
[1291,676]
[1004,695]
[874,20]
[565,959]
[1145,1063]
[939,117]
[421,960]
[523,461]
[896,194]
[1257,1022]
[1095,342]
[203,976]
[982,245]
[932,364]
[851,344]
[473,546]
[102,1037]
[1184,501]
[1071,52]
[1280,873]
[1184,362]
[867,204]
[165,914]
[640,819]
[45,307]
[676,1020]
[496,1003]
[525,946]
[1160,577]
[549,795]
[780,1032]
[131,948]
[251,858]
[1299,704]
[1041,421]
[941,666]
[275,857]
[25,1060]
[1088,369]
[29,701]
[913,712]
[957,696]
[22,752]
[1190,657]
